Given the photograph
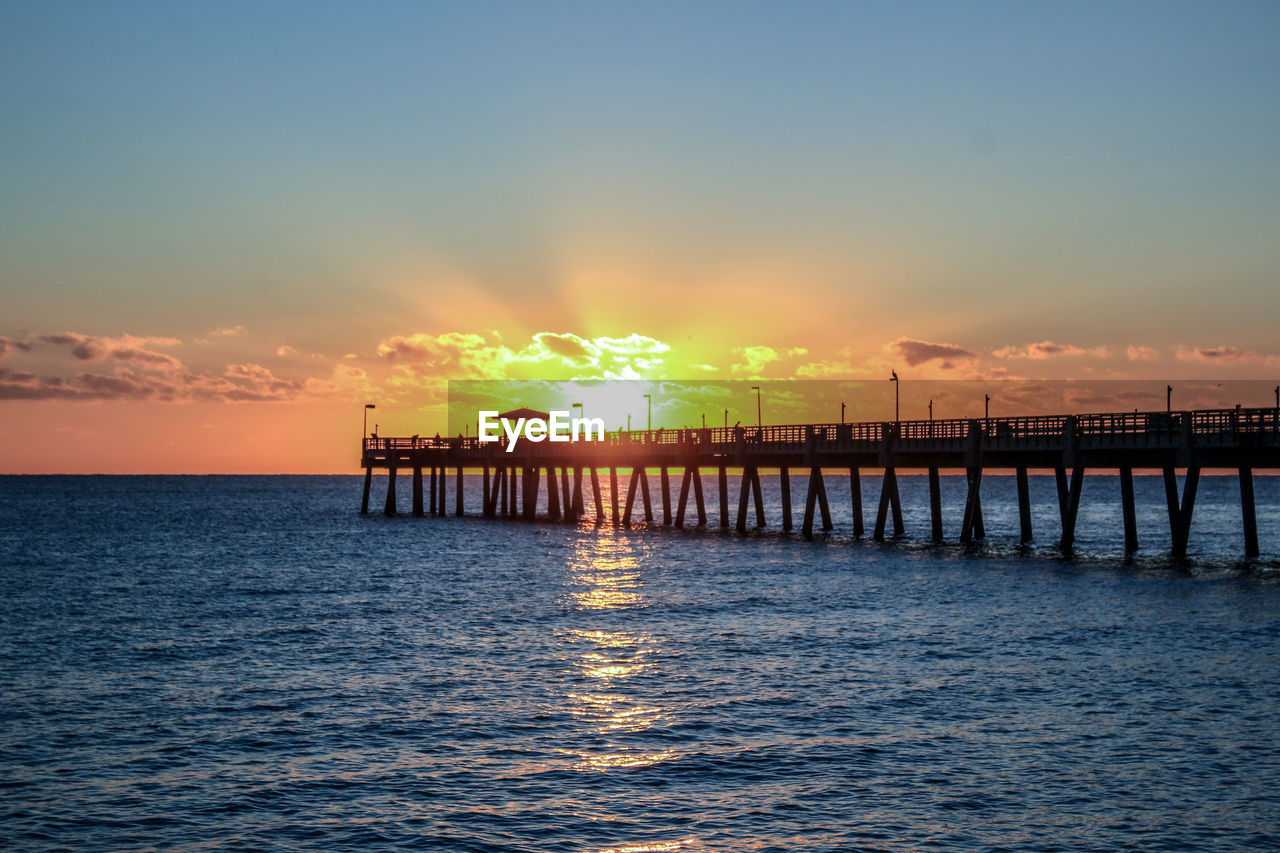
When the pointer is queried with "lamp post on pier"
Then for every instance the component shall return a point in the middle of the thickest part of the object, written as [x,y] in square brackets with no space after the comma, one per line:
[1168,399]
[649,423]
[364,429]
[759,416]
[894,379]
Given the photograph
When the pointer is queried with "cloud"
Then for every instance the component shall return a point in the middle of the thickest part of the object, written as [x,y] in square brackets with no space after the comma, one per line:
[284,351]
[224,332]
[459,355]
[1142,354]
[1225,355]
[1048,349]
[126,348]
[754,359]
[239,383]
[345,382]
[8,345]
[918,352]
[827,369]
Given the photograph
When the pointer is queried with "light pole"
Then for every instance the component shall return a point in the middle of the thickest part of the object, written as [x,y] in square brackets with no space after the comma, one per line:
[649,424]
[930,410]
[894,380]
[364,429]
[1168,399]
[726,418]
[759,417]
[841,411]
[582,414]
[986,407]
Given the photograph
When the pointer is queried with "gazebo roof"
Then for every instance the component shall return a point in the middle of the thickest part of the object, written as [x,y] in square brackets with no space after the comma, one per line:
[516,414]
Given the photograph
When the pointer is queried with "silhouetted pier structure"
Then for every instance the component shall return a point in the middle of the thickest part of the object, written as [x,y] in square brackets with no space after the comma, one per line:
[1239,439]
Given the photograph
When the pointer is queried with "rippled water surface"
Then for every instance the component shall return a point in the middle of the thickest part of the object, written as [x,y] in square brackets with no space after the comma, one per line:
[247,663]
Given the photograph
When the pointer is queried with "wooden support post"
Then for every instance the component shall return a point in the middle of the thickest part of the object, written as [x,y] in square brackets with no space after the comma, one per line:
[531,477]
[784,475]
[417,490]
[566,495]
[1247,510]
[368,483]
[855,499]
[697,496]
[578,508]
[513,486]
[1128,509]
[613,494]
[972,505]
[595,493]
[724,498]
[810,502]
[631,496]
[1060,477]
[484,492]
[553,494]
[389,507]
[895,503]
[979,528]
[935,503]
[755,492]
[684,498]
[1073,507]
[1189,485]
[742,500]
[822,501]
[888,487]
[1024,504]
[666,496]
[1171,500]
[502,490]
[457,508]
[644,496]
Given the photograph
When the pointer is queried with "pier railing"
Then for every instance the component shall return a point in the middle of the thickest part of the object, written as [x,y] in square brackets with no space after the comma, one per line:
[1120,428]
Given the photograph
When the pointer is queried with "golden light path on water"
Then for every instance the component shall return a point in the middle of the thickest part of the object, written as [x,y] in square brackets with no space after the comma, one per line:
[605,575]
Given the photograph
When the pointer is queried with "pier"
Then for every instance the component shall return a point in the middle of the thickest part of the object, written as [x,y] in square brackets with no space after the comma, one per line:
[1242,440]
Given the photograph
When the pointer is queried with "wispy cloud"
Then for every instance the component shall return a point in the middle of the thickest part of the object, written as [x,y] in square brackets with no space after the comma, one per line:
[1049,349]
[1226,355]
[755,358]
[126,348]
[914,352]
[8,345]
[1137,353]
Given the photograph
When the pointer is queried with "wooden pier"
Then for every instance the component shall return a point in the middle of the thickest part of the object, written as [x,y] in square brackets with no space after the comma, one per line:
[1242,440]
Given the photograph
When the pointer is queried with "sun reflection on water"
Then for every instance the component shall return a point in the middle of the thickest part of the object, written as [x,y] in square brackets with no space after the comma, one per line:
[615,669]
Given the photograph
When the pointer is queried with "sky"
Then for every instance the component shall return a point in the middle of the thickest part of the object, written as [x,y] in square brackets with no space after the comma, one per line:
[225,227]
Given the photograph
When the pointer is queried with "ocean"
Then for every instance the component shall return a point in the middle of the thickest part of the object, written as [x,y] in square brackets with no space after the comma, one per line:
[246,663]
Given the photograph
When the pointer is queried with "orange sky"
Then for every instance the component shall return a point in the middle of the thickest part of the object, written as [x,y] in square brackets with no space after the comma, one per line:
[218,242]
